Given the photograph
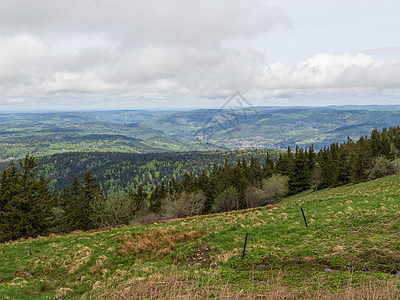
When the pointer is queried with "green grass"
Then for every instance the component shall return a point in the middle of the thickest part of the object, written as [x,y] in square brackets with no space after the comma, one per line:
[353,230]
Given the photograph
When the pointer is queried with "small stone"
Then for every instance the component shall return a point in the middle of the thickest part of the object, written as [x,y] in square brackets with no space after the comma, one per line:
[327,269]
[29,274]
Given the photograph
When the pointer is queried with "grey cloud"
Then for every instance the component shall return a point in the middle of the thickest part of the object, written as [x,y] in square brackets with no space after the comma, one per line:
[383,51]
[136,48]
[164,21]
[52,51]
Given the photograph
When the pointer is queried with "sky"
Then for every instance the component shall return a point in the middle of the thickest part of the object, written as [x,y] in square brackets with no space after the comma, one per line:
[187,54]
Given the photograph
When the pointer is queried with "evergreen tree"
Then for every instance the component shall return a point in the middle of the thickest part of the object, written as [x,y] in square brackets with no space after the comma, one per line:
[73,205]
[139,198]
[301,177]
[341,175]
[25,202]
[155,199]
[269,166]
[375,142]
[361,159]
[206,185]
[284,166]
[83,198]
[255,173]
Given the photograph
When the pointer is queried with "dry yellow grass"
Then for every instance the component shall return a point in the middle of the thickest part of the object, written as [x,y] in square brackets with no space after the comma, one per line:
[177,287]
[159,242]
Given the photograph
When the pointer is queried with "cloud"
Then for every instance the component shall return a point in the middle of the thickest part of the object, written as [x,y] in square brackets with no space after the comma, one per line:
[19,56]
[142,21]
[326,71]
[383,51]
[136,52]
[51,49]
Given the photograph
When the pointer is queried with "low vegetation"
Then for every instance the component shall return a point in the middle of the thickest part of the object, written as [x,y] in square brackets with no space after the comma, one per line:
[349,251]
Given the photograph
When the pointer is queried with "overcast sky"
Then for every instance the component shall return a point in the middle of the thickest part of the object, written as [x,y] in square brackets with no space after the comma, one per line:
[157,54]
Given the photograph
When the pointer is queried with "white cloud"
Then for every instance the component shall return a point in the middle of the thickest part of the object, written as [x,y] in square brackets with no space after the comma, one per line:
[332,72]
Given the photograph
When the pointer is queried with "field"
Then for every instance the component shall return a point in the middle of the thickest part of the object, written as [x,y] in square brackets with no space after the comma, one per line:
[351,250]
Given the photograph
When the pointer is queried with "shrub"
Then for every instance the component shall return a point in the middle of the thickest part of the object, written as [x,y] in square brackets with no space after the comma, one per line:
[226,201]
[381,167]
[273,189]
[183,205]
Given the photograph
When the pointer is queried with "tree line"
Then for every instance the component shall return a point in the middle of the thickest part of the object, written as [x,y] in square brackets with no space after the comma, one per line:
[29,207]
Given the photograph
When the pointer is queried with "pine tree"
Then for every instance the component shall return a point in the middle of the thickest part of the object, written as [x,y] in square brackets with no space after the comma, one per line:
[83,198]
[206,185]
[25,202]
[91,192]
[386,144]
[284,166]
[375,143]
[255,173]
[301,177]
[138,199]
[341,174]
[325,164]
[73,205]
[155,199]
[269,166]
[360,159]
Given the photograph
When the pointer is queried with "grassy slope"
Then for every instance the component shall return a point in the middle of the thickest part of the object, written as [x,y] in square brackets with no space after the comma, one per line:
[353,229]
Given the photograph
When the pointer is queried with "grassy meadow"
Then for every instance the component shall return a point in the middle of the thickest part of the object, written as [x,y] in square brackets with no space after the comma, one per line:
[351,250]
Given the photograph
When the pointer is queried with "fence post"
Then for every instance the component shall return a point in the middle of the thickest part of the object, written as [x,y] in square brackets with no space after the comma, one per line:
[304,216]
[244,247]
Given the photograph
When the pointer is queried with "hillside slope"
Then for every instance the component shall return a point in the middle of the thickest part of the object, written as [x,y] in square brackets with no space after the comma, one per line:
[351,249]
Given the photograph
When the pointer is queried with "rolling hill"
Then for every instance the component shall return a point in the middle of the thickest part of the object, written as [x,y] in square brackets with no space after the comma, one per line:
[196,130]
[274,128]
[46,139]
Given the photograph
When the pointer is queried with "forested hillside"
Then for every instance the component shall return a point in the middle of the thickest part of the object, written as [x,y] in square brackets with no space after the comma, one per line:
[126,171]
[25,193]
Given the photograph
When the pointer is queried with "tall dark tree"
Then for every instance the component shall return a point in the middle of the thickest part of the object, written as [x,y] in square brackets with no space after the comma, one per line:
[341,174]
[25,202]
[138,198]
[284,164]
[301,176]
[255,173]
[361,159]
[79,208]
[269,166]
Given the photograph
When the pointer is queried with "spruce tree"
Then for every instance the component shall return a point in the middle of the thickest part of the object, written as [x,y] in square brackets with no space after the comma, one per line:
[25,202]
[301,177]
[139,198]
[341,174]
[269,166]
